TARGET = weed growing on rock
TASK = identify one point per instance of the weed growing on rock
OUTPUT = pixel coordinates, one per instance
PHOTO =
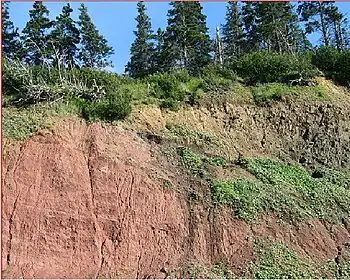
(287, 190)
(188, 136)
(192, 161)
(277, 261)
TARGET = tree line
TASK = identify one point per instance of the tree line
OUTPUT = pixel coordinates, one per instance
(278, 27)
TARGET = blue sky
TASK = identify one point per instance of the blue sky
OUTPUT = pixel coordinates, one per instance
(116, 20)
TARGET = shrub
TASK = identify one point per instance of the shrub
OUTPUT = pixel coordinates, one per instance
(92, 77)
(114, 106)
(343, 74)
(335, 64)
(326, 59)
(216, 78)
(173, 88)
(33, 84)
(266, 67)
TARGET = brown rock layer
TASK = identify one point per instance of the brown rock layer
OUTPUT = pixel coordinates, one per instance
(87, 201)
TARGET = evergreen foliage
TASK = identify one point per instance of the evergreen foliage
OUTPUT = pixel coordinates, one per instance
(142, 49)
(65, 38)
(186, 44)
(11, 44)
(94, 51)
(36, 34)
(232, 32)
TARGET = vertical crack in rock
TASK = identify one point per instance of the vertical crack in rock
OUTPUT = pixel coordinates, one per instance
(8, 258)
(138, 267)
(92, 192)
(102, 259)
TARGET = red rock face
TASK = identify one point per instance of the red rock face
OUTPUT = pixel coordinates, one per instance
(87, 202)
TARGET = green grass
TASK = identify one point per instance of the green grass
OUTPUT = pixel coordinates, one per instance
(272, 92)
(286, 190)
(21, 123)
(187, 136)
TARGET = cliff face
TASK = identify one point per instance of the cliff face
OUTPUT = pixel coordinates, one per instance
(87, 200)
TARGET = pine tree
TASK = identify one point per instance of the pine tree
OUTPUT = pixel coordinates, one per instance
(35, 34)
(272, 27)
(251, 36)
(94, 50)
(159, 55)
(65, 38)
(315, 16)
(232, 32)
(279, 27)
(142, 49)
(337, 22)
(11, 44)
(187, 43)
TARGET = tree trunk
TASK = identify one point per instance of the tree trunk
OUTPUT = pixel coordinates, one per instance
(323, 24)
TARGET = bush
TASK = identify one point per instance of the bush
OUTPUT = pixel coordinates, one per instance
(266, 67)
(333, 63)
(326, 59)
(114, 106)
(173, 88)
(216, 78)
(33, 84)
(92, 77)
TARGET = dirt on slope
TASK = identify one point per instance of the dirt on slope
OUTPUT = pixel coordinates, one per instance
(87, 200)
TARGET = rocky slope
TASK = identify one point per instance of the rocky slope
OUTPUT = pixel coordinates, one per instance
(89, 200)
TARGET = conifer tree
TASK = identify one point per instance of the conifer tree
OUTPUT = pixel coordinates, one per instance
(11, 44)
(94, 50)
(142, 49)
(273, 27)
(337, 22)
(279, 26)
(158, 58)
(251, 37)
(187, 43)
(232, 32)
(314, 14)
(65, 37)
(35, 34)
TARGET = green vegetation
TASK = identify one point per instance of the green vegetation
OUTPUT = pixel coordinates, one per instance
(111, 107)
(189, 136)
(333, 176)
(21, 124)
(277, 261)
(335, 64)
(274, 260)
(267, 67)
(272, 92)
(286, 190)
(198, 164)
(192, 161)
